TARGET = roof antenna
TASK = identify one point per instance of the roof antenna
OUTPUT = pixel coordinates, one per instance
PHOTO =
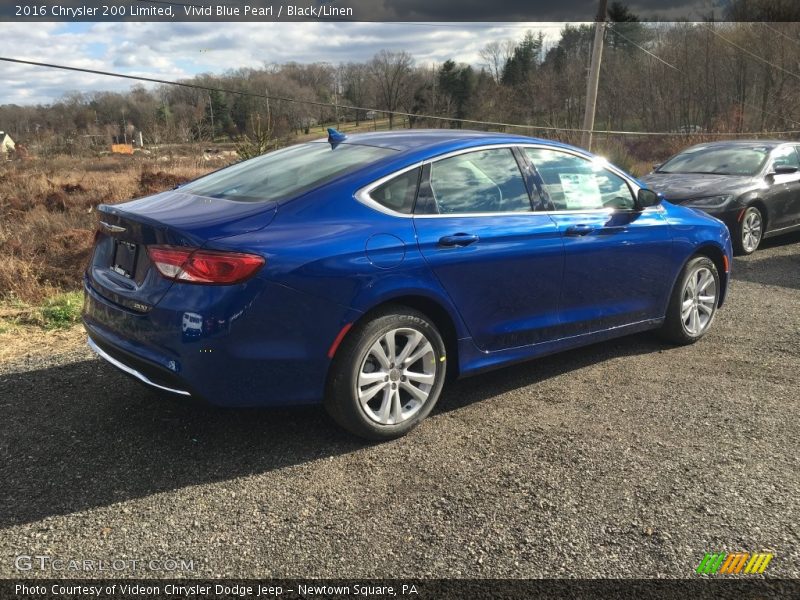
(335, 137)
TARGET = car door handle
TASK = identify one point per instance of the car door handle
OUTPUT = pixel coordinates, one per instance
(457, 240)
(576, 230)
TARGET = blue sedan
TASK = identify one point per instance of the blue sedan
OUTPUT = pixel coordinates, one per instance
(362, 271)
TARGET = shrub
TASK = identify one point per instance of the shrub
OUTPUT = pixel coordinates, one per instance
(63, 310)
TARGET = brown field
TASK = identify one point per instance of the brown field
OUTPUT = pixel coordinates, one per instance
(48, 214)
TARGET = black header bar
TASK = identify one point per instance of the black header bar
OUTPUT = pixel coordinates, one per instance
(389, 10)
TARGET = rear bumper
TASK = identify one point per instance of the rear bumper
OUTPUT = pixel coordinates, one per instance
(261, 344)
(107, 355)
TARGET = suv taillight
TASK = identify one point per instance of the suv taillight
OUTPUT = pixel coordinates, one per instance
(192, 265)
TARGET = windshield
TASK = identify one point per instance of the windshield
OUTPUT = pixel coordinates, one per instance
(285, 173)
(728, 160)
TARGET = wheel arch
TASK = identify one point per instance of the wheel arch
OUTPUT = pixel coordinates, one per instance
(433, 310)
(762, 207)
(717, 256)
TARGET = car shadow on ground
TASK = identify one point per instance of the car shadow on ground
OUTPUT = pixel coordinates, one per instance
(83, 435)
(466, 391)
(771, 268)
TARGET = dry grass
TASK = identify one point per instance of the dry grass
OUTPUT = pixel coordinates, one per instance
(47, 207)
(47, 215)
(19, 340)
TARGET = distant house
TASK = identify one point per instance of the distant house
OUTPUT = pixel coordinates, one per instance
(6, 143)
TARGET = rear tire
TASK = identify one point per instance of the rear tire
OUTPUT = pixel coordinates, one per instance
(693, 303)
(387, 375)
(749, 231)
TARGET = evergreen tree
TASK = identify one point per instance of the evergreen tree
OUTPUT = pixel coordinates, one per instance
(525, 60)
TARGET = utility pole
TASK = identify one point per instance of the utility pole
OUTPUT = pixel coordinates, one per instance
(211, 106)
(336, 98)
(594, 75)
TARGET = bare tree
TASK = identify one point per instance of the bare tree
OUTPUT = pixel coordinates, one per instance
(391, 72)
(495, 55)
(356, 86)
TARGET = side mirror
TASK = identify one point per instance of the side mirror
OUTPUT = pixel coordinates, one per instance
(657, 166)
(783, 170)
(647, 198)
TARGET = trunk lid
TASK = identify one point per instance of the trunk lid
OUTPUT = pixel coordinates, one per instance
(120, 269)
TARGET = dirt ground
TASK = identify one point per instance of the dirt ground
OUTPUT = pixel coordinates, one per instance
(630, 458)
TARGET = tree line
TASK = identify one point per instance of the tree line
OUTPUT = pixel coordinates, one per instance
(666, 77)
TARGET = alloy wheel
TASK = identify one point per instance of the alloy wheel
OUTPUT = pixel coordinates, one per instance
(699, 301)
(751, 230)
(396, 376)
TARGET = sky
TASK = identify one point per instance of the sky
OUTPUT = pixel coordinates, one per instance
(178, 50)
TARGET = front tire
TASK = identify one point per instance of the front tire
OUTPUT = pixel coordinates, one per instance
(749, 231)
(387, 375)
(693, 303)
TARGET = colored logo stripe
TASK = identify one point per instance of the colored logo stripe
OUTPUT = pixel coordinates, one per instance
(734, 562)
(710, 563)
(758, 564)
(724, 563)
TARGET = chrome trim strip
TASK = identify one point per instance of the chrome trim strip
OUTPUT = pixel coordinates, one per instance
(112, 228)
(511, 213)
(102, 354)
(635, 187)
(577, 336)
(472, 149)
(782, 229)
(362, 195)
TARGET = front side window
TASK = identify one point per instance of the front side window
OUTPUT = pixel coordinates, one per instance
(785, 157)
(484, 181)
(285, 173)
(574, 183)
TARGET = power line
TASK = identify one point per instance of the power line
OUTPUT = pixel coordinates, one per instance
(746, 51)
(763, 60)
(791, 39)
(658, 58)
(209, 88)
(671, 66)
(612, 25)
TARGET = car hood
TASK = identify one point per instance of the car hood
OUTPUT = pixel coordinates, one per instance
(677, 187)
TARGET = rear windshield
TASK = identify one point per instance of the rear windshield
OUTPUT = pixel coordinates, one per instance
(716, 160)
(285, 173)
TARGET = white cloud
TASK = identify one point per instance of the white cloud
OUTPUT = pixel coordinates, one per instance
(179, 50)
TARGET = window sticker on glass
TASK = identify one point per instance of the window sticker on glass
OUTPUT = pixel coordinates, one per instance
(580, 191)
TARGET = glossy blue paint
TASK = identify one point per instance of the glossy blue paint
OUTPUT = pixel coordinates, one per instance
(613, 275)
(525, 249)
(506, 287)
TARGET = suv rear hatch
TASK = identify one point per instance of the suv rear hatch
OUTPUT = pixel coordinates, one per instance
(120, 269)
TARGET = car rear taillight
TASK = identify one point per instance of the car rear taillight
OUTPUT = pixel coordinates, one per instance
(192, 265)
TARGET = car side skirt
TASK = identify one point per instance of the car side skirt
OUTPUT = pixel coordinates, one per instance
(773, 232)
(474, 361)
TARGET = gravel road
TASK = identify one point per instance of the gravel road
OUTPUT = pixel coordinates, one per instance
(625, 459)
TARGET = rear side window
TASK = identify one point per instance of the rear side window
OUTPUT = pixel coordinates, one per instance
(398, 194)
(484, 181)
(285, 173)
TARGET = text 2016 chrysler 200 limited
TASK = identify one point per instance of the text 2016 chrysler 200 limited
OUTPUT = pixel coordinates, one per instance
(360, 271)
